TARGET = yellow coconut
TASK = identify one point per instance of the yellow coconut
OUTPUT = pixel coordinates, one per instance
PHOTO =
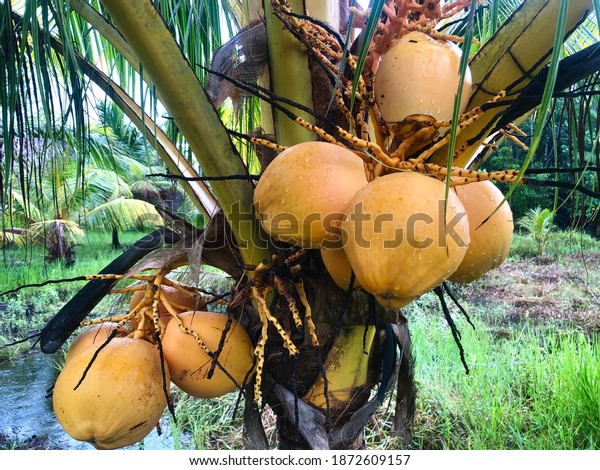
(301, 196)
(121, 398)
(337, 265)
(189, 364)
(396, 239)
(177, 299)
(96, 334)
(491, 237)
(420, 75)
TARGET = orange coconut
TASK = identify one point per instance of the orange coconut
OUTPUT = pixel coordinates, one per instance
(121, 398)
(337, 265)
(420, 75)
(301, 196)
(178, 300)
(189, 364)
(95, 334)
(396, 239)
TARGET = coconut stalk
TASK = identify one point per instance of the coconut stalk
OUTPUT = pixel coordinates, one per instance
(289, 74)
(294, 76)
(185, 99)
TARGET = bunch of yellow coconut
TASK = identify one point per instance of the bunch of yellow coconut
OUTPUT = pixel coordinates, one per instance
(398, 234)
(112, 394)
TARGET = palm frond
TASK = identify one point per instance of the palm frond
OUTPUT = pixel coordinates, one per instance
(14, 236)
(145, 190)
(44, 230)
(123, 214)
(186, 100)
(200, 195)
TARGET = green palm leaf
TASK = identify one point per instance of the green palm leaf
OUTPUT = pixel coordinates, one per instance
(122, 214)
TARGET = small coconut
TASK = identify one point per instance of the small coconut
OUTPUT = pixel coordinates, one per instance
(491, 235)
(178, 300)
(337, 265)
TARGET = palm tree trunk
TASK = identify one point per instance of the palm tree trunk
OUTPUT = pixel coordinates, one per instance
(333, 308)
(296, 76)
(58, 246)
(116, 244)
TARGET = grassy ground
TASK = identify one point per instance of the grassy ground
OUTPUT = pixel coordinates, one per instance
(534, 358)
(25, 312)
(534, 355)
(529, 390)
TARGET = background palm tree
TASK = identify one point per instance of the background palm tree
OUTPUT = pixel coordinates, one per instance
(539, 224)
(53, 49)
(63, 199)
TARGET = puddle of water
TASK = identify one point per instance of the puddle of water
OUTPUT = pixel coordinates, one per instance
(27, 412)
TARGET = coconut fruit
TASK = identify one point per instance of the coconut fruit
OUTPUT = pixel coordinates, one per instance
(420, 75)
(95, 334)
(491, 237)
(121, 398)
(178, 300)
(301, 196)
(339, 268)
(396, 238)
(189, 364)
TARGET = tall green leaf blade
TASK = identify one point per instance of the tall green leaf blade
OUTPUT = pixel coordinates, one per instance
(464, 64)
(368, 34)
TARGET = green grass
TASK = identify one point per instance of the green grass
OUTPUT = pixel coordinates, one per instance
(28, 310)
(206, 423)
(524, 391)
(20, 266)
(559, 244)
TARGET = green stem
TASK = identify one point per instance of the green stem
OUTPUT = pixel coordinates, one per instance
(290, 75)
(184, 98)
(108, 31)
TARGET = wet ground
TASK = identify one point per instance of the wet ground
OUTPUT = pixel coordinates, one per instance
(27, 420)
